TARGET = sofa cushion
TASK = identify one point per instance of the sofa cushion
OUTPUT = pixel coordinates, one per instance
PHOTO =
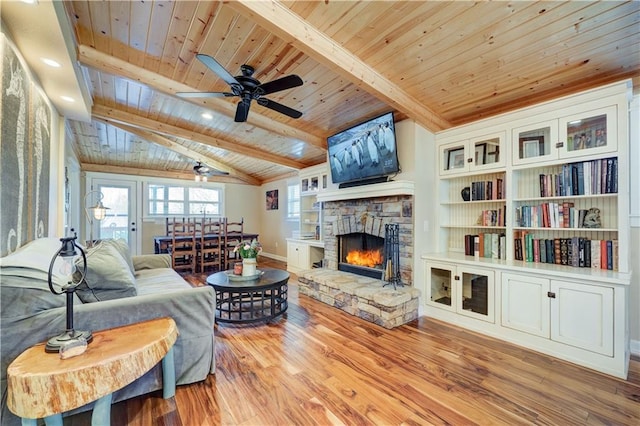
(108, 275)
(123, 248)
(24, 285)
(159, 280)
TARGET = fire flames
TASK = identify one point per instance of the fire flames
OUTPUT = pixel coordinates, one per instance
(369, 258)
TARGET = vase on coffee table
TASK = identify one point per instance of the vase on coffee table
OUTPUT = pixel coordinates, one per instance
(249, 265)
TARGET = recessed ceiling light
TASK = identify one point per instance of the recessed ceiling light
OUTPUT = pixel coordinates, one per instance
(67, 98)
(51, 62)
(207, 116)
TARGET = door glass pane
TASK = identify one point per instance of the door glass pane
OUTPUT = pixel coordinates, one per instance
(475, 293)
(116, 223)
(454, 158)
(487, 151)
(534, 143)
(587, 133)
(441, 286)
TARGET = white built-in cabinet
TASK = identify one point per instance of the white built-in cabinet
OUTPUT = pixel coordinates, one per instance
(305, 249)
(556, 161)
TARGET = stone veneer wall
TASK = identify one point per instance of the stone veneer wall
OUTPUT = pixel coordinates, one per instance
(392, 209)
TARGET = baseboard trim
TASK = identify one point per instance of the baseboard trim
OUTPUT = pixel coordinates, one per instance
(273, 256)
(635, 347)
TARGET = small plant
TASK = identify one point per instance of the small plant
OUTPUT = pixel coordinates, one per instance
(248, 251)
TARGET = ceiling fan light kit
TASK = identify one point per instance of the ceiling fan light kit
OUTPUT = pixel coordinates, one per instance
(247, 88)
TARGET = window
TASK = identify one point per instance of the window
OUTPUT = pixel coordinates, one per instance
(169, 200)
(293, 201)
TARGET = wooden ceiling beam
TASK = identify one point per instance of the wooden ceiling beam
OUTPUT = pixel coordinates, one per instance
(103, 62)
(136, 171)
(280, 20)
(115, 115)
(182, 150)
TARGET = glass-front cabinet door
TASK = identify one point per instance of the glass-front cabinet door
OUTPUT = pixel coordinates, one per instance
(534, 143)
(487, 152)
(453, 158)
(440, 285)
(476, 293)
(588, 133)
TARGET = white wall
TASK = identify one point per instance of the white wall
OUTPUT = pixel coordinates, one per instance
(274, 226)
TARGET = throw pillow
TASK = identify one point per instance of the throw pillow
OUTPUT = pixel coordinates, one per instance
(108, 276)
(123, 248)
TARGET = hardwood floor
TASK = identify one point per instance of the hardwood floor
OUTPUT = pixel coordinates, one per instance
(321, 366)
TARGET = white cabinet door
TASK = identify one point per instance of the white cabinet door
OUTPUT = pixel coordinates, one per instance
(525, 304)
(475, 293)
(297, 257)
(440, 285)
(588, 133)
(582, 316)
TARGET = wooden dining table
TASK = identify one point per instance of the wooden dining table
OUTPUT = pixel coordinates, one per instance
(161, 242)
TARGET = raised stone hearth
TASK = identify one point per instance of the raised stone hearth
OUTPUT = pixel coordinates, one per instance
(361, 296)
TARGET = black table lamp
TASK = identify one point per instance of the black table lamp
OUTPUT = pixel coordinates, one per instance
(64, 260)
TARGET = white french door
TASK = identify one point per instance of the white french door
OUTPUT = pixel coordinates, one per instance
(122, 216)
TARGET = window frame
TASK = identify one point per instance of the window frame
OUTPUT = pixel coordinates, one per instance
(295, 216)
(186, 202)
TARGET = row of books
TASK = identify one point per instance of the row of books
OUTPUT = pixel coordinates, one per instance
(487, 190)
(489, 245)
(550, 215)
(492, 218)
(576, 251)
(584, 178)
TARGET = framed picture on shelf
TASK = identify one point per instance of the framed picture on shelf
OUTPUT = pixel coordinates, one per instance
(532, 146)
(481, 154)
(455, 159)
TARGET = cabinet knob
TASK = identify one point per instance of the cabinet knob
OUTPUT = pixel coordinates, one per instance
(469, 160)
(456, 277)
(551, 295)
(559, 144)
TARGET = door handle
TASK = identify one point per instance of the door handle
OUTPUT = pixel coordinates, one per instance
(551, 295)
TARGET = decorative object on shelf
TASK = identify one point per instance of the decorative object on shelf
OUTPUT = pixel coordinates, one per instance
(97, 212)
(592, 218)
(466, 193)
(249, 253)
(391, 267)
(63, 266)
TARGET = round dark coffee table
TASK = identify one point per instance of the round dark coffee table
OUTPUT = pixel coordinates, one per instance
(244, 301)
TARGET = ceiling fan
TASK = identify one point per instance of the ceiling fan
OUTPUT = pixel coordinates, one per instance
(247, 88)
(202, 171)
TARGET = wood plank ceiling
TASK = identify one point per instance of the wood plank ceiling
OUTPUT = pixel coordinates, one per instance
(438, 63)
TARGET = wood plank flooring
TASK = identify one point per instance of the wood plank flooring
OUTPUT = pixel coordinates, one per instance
(321, 366)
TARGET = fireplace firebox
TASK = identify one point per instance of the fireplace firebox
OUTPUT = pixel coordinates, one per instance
(361, 253)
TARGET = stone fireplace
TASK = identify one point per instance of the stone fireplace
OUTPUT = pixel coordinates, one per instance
(362, 221)
(355, 219)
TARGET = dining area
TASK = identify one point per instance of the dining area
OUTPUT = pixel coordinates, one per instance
(199, 244)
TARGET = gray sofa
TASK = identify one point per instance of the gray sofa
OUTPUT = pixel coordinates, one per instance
(122, 289)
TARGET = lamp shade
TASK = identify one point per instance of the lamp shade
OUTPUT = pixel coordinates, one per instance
(99, 211)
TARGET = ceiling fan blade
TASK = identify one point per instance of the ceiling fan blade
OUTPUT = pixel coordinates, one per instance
(204, 94)
(214, 66)
(281, 84)
(283, 109)
(242, 111)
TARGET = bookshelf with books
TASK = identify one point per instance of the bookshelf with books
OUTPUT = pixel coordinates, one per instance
(556, 240)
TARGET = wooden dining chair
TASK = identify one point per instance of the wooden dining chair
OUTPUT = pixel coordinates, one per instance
(233, 235)
(183, 244)
(210, 244)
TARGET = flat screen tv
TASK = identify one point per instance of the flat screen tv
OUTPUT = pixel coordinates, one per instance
(365, 153)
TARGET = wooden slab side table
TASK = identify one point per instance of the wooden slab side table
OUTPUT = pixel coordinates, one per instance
(42, 385)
